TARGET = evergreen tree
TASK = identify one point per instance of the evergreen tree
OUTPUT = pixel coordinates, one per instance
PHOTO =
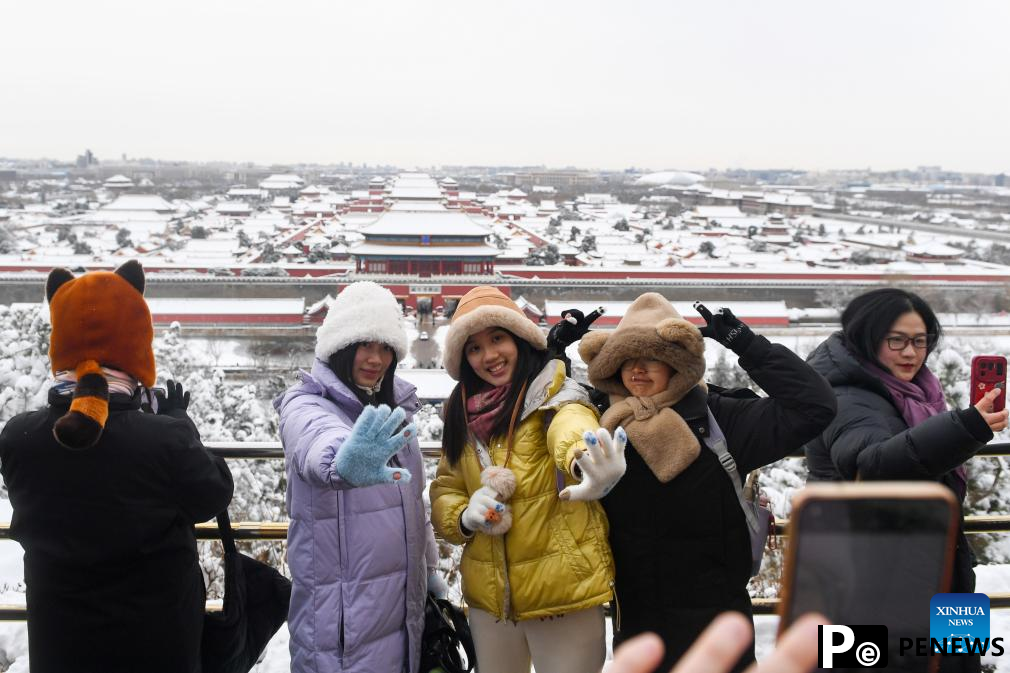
(123, 238)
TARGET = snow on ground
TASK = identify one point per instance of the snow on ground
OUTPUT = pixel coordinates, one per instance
(439, 336)
(409, 361)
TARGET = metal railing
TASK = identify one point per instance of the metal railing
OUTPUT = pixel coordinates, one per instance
(271, 530)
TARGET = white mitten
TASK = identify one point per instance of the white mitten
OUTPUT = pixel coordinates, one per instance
(602, 465)
(483, 510)
(502, 481)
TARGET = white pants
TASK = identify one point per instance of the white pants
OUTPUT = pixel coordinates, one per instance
(572, 643)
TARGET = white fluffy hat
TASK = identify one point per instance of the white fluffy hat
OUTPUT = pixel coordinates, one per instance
(363, 311)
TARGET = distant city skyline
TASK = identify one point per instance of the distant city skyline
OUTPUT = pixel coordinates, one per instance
(694, 86)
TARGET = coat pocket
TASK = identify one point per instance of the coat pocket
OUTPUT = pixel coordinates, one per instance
(569, 546)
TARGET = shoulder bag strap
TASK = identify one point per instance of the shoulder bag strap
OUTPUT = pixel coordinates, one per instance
(227, 534)
(715, 440)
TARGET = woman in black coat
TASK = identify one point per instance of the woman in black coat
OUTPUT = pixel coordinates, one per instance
(892, 420)
(680, 540)
(105, 495)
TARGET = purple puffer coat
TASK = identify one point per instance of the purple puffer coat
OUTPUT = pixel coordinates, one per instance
(358, 556)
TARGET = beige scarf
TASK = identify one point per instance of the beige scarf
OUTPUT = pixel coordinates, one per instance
(658, 433)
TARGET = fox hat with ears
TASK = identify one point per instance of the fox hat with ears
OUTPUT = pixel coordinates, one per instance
(651, 328)
(98, 320)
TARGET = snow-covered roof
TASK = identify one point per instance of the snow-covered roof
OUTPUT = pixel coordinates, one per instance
(415, 192)
(424, 223)
(670, 178)
(233, 207)
(934, 250)
(282, 181)
(231, 306)
(118, 180)
(140, 202)
(717, 212)
(425, 250)
(245, 192)
(779, 199)
(526, 305)
(415, 186)
(419, 207)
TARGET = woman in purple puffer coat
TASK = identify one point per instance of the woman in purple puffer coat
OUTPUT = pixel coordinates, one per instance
(360, 546)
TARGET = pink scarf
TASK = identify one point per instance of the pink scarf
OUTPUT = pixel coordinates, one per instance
(483, 409)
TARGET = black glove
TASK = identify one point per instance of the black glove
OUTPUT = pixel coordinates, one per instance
(573, 326)
(173, 401)
(725, 328)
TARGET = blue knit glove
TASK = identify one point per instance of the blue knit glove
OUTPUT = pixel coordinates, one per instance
(374, 439)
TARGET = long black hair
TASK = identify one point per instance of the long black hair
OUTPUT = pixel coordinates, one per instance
(869, 317)
(342, 364)
(529, 363)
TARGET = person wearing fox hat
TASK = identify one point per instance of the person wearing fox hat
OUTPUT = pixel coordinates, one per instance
(517, 432)
(360, 547)
(105, 496)
(691, 560)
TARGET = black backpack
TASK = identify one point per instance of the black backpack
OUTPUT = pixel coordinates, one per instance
(445, 631)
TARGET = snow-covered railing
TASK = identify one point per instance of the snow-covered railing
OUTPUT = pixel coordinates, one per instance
(269, 530)
(432, 449)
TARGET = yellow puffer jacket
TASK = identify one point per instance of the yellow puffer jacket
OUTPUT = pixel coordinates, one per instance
(555, 559)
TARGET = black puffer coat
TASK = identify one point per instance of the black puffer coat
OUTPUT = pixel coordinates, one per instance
(682, 549)
(111, 572)
(869, 438)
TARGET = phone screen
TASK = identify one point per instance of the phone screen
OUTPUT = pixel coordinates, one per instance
(872, 561)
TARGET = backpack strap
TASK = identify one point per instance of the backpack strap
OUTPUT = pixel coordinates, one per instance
(715, 440)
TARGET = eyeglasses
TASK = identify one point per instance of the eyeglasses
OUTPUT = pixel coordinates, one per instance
(919, 342)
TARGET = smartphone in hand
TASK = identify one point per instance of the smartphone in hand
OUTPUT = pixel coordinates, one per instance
(988, 372)
(871, 553)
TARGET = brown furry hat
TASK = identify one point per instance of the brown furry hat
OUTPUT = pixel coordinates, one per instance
(482, 307)
(650, 328)
(99, 319)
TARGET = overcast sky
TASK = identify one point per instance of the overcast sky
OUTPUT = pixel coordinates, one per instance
(659, 84)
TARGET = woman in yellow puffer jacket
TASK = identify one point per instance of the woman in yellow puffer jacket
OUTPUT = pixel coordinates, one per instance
(536, 565)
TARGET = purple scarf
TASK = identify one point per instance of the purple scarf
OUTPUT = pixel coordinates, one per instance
(917, 400)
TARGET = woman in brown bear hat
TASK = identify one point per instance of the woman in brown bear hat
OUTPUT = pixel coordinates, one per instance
(105, 496)
(678, 530)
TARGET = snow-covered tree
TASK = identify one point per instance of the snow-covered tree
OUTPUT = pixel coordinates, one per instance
(24, 359)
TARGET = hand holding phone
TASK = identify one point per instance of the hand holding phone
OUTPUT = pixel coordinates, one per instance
(988, 373)
(871, 553)
(996, 420)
